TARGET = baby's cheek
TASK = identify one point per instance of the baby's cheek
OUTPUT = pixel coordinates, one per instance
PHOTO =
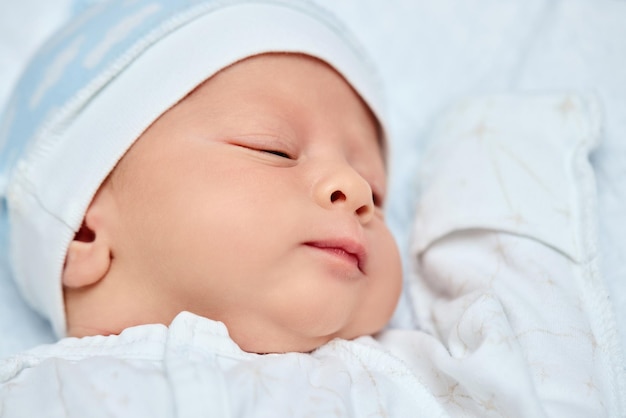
(386, 279)
(319, 309)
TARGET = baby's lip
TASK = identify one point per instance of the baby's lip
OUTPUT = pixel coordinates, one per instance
(349, 246)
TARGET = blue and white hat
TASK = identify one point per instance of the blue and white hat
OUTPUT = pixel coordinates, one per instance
(94, 88)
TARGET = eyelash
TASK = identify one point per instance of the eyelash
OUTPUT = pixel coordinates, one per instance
(277, 153)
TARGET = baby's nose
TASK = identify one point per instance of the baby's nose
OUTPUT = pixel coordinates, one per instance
(344, 188)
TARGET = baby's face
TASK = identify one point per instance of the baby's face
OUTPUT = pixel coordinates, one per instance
(256, 201)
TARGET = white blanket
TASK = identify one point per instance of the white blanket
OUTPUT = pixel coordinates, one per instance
(516, 321)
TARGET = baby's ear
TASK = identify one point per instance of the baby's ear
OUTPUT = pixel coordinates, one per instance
(89, 254)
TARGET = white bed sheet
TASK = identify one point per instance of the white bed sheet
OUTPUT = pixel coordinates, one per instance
(430, 54)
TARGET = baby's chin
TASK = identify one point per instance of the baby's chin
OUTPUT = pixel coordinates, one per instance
(282, 346)
(290, 342)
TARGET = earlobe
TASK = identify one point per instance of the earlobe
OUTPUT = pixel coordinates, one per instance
(88, 257)
(86, 263)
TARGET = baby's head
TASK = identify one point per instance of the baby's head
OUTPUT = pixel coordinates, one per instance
(255, 201)
(240, 178)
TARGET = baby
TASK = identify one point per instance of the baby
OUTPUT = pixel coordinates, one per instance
(255, 201)
(254, 198)
(188, 185)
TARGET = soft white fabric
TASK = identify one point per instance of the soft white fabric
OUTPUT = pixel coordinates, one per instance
(516, 318)
(506, 173)
(20, 326)
(193, 369)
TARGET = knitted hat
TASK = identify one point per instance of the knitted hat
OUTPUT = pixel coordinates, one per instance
(94, 88)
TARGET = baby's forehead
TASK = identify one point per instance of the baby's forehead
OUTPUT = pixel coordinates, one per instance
(277, 73)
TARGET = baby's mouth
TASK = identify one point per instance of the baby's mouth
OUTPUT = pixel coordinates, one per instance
(346, 249)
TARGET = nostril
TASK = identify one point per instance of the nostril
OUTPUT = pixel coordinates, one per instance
(363, 210)
(337, 195)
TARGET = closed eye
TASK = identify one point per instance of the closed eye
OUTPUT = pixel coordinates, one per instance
(278, 153)
(263, 150)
